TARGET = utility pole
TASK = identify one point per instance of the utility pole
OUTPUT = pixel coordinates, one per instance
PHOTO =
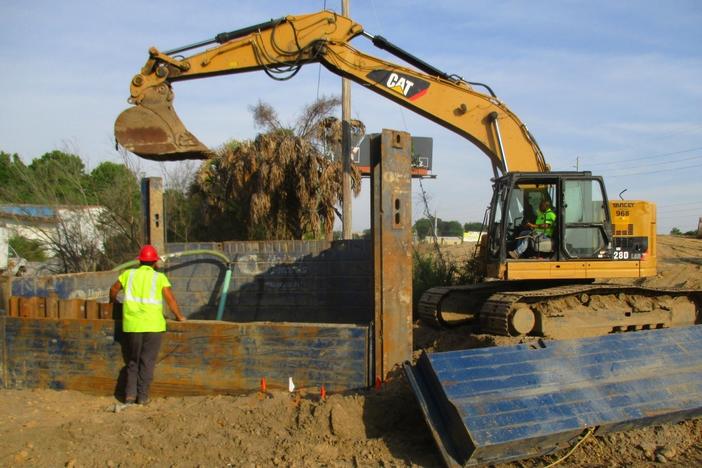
(436, 225)
(577, 164)
(346, 146)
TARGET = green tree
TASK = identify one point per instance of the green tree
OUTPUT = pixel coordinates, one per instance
(451, 229)
(58, 178)
(28, 248)
(472, 226)
(61, 177)
(675, 231)
(182, 215)
(423, 228)
(116, 188)
(13, 175)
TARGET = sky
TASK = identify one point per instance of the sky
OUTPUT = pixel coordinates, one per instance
(612, 87)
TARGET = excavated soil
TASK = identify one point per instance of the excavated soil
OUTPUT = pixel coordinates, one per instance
(368, 428)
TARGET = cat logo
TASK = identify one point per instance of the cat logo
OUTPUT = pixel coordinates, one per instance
(408, 86)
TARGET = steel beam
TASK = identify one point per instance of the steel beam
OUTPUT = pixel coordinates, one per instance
(391, 208)
(153, 210)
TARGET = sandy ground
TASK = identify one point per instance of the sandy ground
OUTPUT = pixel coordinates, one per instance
(368, 428)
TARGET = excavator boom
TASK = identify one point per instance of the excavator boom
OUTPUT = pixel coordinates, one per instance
(280, 47)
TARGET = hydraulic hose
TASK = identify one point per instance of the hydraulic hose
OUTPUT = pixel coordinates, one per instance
(214, 253)
(223, 296)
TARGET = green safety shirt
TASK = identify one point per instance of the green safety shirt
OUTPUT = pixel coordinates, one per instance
(547, 217)
(142, 308)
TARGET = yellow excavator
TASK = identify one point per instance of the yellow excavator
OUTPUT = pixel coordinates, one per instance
(549, 290)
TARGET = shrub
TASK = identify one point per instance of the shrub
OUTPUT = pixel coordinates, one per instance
(27, 248)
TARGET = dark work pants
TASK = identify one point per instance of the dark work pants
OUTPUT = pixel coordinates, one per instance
(142, 352)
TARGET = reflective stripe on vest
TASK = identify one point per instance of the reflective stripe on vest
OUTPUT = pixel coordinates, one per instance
(129, 296)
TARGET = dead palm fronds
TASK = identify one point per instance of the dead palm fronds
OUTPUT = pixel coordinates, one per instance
(280, 184)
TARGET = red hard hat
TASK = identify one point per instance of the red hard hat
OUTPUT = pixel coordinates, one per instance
(148, 254)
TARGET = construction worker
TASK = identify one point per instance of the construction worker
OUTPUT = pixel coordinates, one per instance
(142, 321)
(540, 229)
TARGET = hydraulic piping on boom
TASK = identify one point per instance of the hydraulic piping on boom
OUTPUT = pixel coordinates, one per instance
(280, 47)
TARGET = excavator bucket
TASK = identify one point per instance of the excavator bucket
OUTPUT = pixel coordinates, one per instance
(152, 129)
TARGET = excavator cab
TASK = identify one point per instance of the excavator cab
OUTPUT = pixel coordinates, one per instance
(582, 228)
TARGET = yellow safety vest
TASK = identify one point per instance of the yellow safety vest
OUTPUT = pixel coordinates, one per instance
(142, 308)
(546, 217)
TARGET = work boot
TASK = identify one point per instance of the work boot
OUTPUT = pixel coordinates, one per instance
(143, 401)
(513, 254)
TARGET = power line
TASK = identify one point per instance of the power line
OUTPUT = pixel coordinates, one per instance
(675, 161)
(683, 203)
(694, 128)
(648, 157)
(653, 172)
(682, 210)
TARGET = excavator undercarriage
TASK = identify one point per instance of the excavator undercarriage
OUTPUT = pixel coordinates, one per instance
(559, 310)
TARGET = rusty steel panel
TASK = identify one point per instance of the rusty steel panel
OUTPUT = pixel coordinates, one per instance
(91, 310)
(105, 310)
(29, 306)
(3, 353)
(197, 357)
(13, 308)
(5, 293)
(72, 309)
(53, 307)
(152, 208)
(391, 202)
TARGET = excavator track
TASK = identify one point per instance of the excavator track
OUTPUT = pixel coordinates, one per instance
(560, 310)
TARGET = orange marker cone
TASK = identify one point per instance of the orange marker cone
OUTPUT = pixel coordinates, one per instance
(378, 384)
(323, 393)
(263, 385)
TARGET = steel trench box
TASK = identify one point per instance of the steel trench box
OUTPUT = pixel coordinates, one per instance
(492, 405)
(197, 357)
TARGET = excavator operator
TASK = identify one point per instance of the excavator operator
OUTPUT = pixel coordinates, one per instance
(540, 229)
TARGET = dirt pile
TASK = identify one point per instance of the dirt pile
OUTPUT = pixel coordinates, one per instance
(367, 428)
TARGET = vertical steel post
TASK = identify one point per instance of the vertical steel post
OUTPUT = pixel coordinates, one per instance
(4, 248)
(346, 146)
(391, 200)
(152, 209)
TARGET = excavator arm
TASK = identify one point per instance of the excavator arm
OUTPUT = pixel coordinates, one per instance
(152, 129)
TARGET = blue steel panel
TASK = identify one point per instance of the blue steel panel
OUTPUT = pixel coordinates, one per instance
(497, 404)
(35, 211)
